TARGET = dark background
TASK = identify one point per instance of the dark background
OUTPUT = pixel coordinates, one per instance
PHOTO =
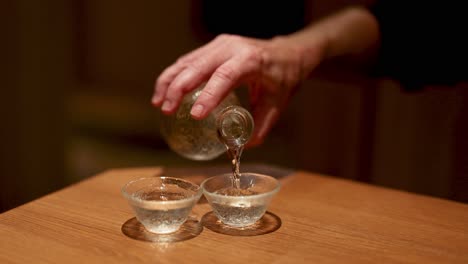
(77, 78)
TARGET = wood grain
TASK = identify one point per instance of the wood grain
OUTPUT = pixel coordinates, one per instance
(324, 220)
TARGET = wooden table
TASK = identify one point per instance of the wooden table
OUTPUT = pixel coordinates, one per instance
(323, 220)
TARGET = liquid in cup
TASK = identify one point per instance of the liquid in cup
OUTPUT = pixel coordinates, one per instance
(161, 204)
(244, 206)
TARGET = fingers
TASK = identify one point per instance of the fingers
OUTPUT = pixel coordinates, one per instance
(166, 78)
(219, 85)
(265, 113)
(163, 82)
(223, 80)
(188, 79)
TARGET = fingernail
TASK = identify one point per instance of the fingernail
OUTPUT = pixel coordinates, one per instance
(166, 106)
(197, 110)
(156, 98)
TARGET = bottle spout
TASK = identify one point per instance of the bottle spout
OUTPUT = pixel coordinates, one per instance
(235, 126)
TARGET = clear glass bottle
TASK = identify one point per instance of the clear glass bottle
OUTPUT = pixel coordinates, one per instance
(229, 126)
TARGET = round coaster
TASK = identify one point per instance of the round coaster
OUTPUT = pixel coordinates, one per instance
(134, 229)
(267, 224)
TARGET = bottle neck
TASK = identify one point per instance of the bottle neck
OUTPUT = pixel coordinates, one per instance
(235, 126)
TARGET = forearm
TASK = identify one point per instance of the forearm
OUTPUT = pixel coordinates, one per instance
(347, 32)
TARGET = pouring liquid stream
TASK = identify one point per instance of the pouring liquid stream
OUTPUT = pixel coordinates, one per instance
(235, 154)
(235, 126)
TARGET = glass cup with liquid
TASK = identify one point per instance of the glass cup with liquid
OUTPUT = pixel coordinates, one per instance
(161, 204)
(240, 204)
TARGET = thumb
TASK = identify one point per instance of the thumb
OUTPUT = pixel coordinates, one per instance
(265, 113)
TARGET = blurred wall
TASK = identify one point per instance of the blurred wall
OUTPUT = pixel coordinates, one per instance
(37, 48)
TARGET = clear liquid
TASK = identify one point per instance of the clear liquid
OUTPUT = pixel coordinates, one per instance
(232, 191)
(235, 154)
(194, 139)
(238, 214)
(235, 126)
(160, 220)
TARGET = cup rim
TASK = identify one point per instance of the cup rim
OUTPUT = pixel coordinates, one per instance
(254, 196)
(190, 198)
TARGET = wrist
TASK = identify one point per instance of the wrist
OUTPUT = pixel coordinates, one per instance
(311, 47)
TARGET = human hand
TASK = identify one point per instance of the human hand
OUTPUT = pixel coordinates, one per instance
(272, 69)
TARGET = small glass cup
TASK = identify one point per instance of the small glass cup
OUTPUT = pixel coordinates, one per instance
(161, 204)
(242, 207)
